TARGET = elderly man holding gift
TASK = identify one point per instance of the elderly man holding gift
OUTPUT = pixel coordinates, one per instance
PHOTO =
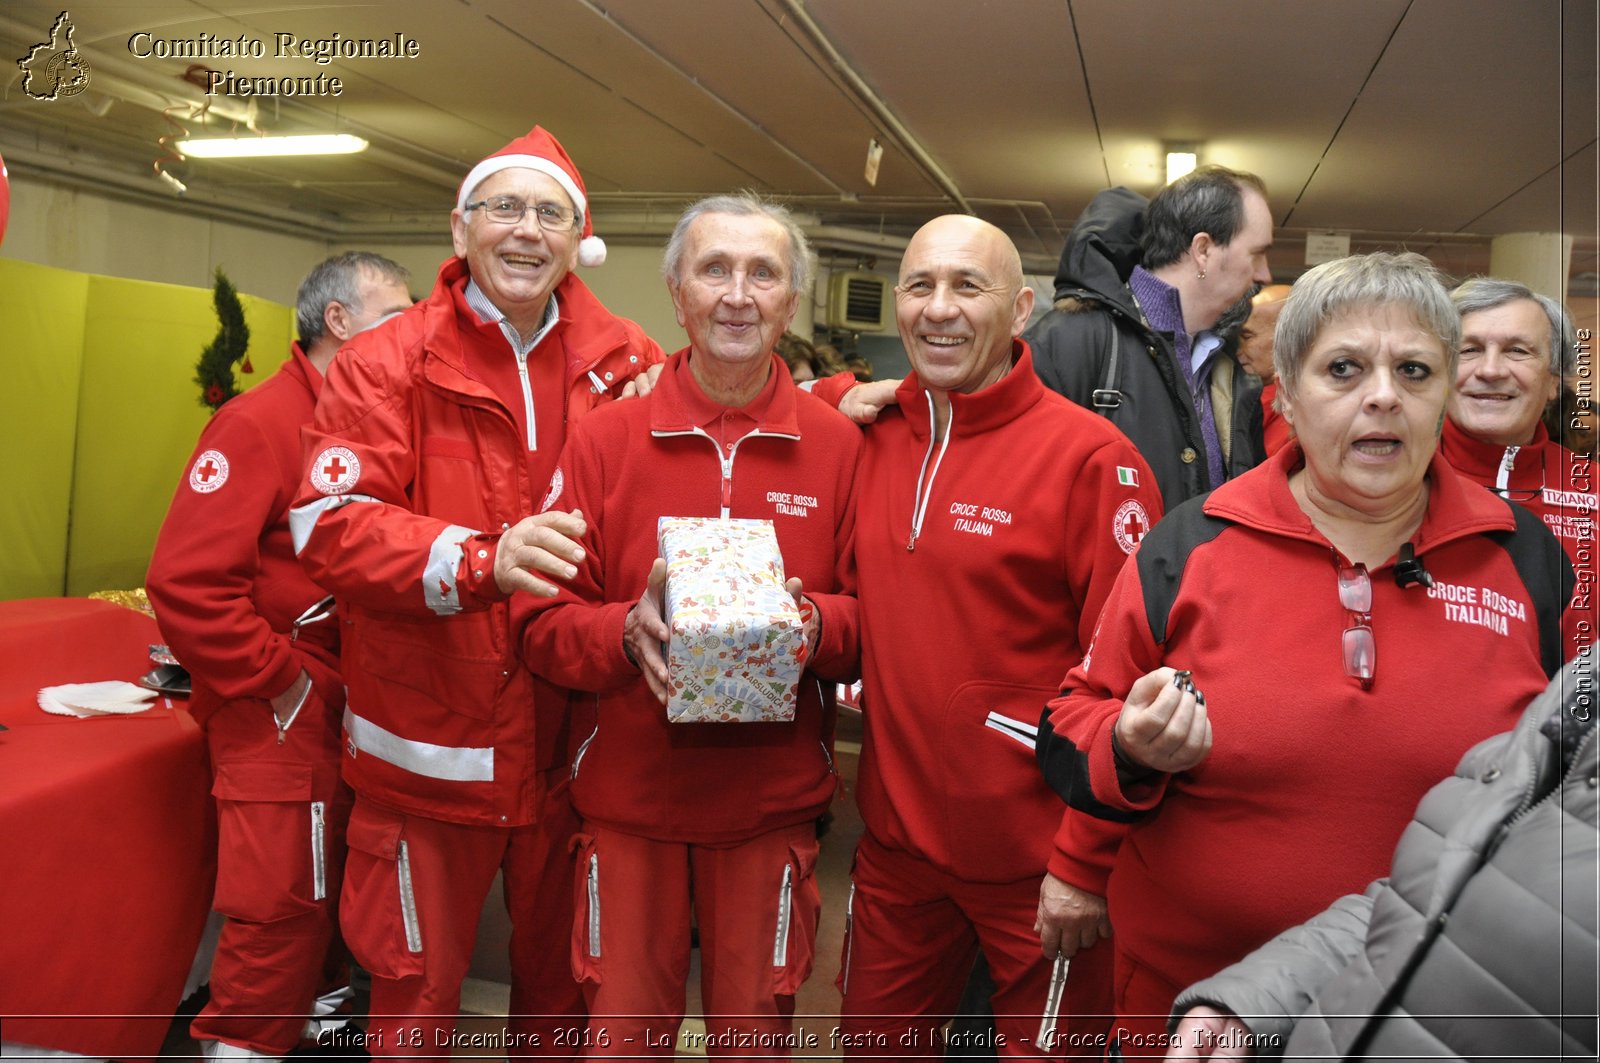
(702, 781)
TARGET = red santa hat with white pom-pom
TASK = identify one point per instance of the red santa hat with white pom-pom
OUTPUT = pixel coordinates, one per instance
(540, 151)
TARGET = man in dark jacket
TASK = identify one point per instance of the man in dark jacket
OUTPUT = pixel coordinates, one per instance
(1480, 944)
(1138, 332)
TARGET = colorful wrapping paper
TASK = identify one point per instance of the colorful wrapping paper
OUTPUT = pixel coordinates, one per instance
(734, 654)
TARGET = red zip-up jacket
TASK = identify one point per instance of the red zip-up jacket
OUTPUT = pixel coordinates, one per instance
(410, 457)
(628, 466)
(1311, 778)
(983, 560)
(224, 579)
(1556, 484)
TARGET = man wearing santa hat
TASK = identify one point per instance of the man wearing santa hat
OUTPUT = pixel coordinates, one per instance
(434, 440)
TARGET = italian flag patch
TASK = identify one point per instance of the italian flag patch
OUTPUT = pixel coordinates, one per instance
(1127, 477)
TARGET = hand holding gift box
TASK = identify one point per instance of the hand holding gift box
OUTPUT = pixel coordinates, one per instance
(645, 632)
(736, 636)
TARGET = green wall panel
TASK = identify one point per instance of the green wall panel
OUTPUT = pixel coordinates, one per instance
(41, 348)
(104, 413)
(139, 415)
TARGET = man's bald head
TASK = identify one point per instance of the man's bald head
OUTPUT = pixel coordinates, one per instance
(1255, 337)
(976, 236)
(961, 302)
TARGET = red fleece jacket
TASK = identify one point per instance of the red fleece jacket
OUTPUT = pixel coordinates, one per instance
(625, 467)
(1311, 778)
(1556, 484)
(983, 564)
(223, 578)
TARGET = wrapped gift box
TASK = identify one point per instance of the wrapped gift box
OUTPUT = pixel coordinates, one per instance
(735, 650)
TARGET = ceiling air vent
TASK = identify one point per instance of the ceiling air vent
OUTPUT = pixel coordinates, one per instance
(856, 301)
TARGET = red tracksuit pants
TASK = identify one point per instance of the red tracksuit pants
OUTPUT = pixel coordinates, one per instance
(1144, 999)
(281, 812)
(755, 904)
(414, 890)
(912, 934)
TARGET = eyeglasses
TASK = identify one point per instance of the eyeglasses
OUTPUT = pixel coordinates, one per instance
(1359, 646)
(507, 210)
(1525, 494)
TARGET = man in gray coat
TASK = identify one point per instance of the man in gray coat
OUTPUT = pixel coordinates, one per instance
(1481, 942)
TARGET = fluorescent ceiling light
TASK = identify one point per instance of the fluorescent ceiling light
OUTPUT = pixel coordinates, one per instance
(1180, 163)
(252, 147)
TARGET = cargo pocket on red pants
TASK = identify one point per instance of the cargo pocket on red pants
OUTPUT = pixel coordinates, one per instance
(378, 907)
(269, 841)
(586, 910)
(794, 947)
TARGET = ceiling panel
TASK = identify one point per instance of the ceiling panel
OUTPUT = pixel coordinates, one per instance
(1260, 84)
(1463, 110)
(1580, 73)
(996, 95)
(763, 71)
(1393, 119)
(678, 136)
(1560, 200)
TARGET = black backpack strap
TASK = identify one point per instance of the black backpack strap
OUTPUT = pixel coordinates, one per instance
(1161, 558)
(1107, 397)
(1164, 554)
(1544, 569)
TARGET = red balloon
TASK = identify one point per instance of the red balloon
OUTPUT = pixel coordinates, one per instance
(5, 198)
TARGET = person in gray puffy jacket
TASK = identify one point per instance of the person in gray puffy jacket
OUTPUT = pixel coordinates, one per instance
(1481, 942)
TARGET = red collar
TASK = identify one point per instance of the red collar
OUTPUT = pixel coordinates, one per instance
(586, 328)
(300, 365)
(1261, 499)
(983, 410)
(1480, 461)
(678, 405)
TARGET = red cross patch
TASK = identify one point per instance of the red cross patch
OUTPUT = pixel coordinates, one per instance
(335, 470)
(209, 472)
(1130, 524)
(557, 482)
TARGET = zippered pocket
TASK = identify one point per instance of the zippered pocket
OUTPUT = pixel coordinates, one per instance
(780, 947)
(799, 906)
(378, 905)
(408, 899)
(585, 948)
(319, 858)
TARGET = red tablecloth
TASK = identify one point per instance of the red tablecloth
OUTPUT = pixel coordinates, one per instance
(106, 828)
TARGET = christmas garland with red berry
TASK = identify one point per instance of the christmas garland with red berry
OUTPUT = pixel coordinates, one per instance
(214, 370)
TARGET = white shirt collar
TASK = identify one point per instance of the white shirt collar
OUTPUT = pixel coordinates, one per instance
(487, 312)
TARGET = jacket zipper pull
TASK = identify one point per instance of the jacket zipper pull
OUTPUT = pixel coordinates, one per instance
(318, 612)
